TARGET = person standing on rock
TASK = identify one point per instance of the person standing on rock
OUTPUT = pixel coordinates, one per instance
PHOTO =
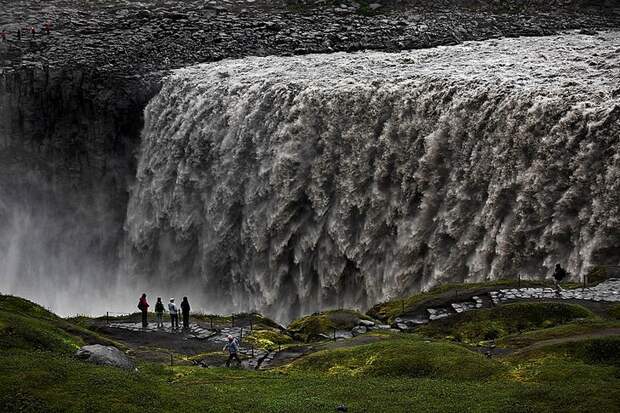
(159, 312)
(185, 311)
(174, 314)
(558, 275)
(233, 348)
(143, 306)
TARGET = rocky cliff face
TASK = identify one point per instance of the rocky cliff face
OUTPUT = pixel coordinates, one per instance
(71, 105)
(67, 144)
(289, 191)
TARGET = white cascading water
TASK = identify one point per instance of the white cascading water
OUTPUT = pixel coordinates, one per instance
(292, 184)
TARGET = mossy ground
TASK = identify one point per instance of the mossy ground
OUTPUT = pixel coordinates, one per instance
(394, 373)
(389, 310)
(494, 323)
(25, 325)
(310, 328)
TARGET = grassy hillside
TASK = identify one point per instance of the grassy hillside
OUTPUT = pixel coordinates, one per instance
(382, 372)
(402, 356)
(489, 324)
(28, 326)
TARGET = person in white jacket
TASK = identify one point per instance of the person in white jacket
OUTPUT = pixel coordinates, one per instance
(174, 314)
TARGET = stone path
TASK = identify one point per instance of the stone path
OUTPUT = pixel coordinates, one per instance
(253, 357)
(608, 291)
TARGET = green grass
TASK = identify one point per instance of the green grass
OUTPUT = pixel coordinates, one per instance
(494, 323)
(25, 325)
(574, 328)
(614, 312)
(42, 382)
(602, 350)
(310, 328)
(402, 357)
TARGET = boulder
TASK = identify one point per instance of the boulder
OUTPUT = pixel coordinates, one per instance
(366, 323)
(105, 355)
(356, 331)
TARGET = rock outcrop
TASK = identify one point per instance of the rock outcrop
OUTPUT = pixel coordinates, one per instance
(105, 356)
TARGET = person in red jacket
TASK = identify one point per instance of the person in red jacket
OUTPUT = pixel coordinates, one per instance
(143, 305)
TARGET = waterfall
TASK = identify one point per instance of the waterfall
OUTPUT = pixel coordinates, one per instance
(292, 184)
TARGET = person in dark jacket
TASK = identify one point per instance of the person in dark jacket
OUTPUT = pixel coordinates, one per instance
(143, 305)
(558, 275)
(185, 311)
(159, 312)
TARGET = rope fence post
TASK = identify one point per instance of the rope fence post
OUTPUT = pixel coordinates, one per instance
(232, 320)
(334, 334)
(211, 319)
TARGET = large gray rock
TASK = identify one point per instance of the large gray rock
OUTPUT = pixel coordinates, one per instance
(105, 355)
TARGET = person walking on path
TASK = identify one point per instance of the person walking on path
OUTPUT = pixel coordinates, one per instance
(233, 348)
(185, 312)
(159, 312)
(174, 314)
(19, 33)
(3, 34)
(143, 305)
(558, 275)
(33, 31)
